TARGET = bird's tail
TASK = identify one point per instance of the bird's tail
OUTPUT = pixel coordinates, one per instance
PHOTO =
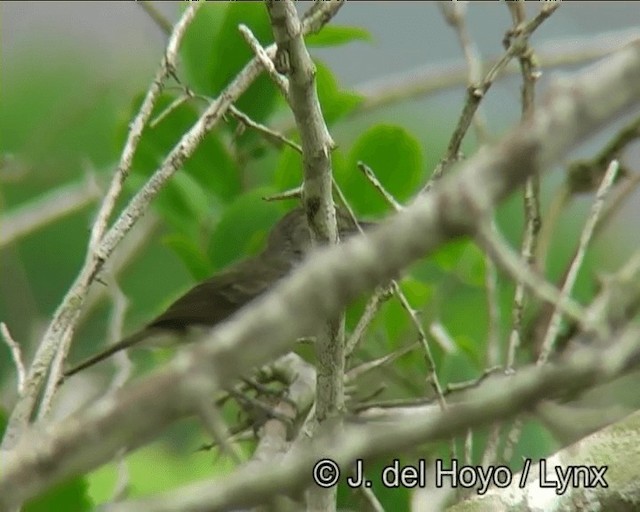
(116, 347)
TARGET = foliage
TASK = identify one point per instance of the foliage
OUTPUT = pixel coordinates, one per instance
(212, 212)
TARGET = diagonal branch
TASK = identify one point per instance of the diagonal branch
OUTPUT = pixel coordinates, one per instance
(322, 286)
(67, 314)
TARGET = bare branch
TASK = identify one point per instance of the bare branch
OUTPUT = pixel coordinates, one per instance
(321, 288)
(585, 238)
(265, 60)
(67, 314)
(293, 59)
(482, 406)
(16, 353)
(46, 209)
(58, 335)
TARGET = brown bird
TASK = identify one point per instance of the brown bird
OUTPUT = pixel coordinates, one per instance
(218, 297)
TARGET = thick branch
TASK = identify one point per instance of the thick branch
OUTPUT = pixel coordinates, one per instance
(326, 283)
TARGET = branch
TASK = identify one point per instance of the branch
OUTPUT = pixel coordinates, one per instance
(293, 59)
(553, 329)
(47, 209)
(66, 316)
(57, 337)
(426, 80)
(322, 287)
(607, 447)
(404, 431)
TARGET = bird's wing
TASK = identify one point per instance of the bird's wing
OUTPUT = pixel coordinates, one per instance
(217, 298)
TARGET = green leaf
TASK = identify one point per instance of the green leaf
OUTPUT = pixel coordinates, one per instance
(470, 348)
(288, 173)
(395, 321)
(3, 421)
(448, 256)
(335, 35)
(215, 51)
(335, 102)
(243, 228)
(191, 255)
(71, 495)
(395, 157)
(463, 258)
(472, 266)
(208, 178)
(211, 165)
(197, 50)
(416, 292)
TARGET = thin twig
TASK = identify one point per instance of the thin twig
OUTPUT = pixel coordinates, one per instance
(123, 481)
(115, 332)
(174, 105)
(369, 175)
(397, 292)
(585, 238)
(159, 19)
(16, 354)
(363, 368)
(454, 15)
(570, 278)
(379, 297)
(432, 377)
(530, 74)
(269, 134)
(280, 80)
(294, 193)
(457, 387)
(166, 70)
(433, 78)
(494, 243)
(371, 499)
(475, 94)
(214, 423)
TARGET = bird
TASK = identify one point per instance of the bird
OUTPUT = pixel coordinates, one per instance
(223, 294)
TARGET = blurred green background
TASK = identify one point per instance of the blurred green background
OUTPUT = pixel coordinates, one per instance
(64, 114)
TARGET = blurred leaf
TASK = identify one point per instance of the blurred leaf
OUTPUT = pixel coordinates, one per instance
(215, 52)
(191, 255)
(463, 258)
(535, 442)
(465, 318)
(179, 467)
(417, 292)
(448, 255)
(334, 101)
(473, 351)
(243, 228)
(288, 173)
(335, 35)
(50, 130)
(395, 157)
(396, 322)
(472, 266)
(3, 421)
(209, 177)
(71, 495)
(197, 48)
(211, 165)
